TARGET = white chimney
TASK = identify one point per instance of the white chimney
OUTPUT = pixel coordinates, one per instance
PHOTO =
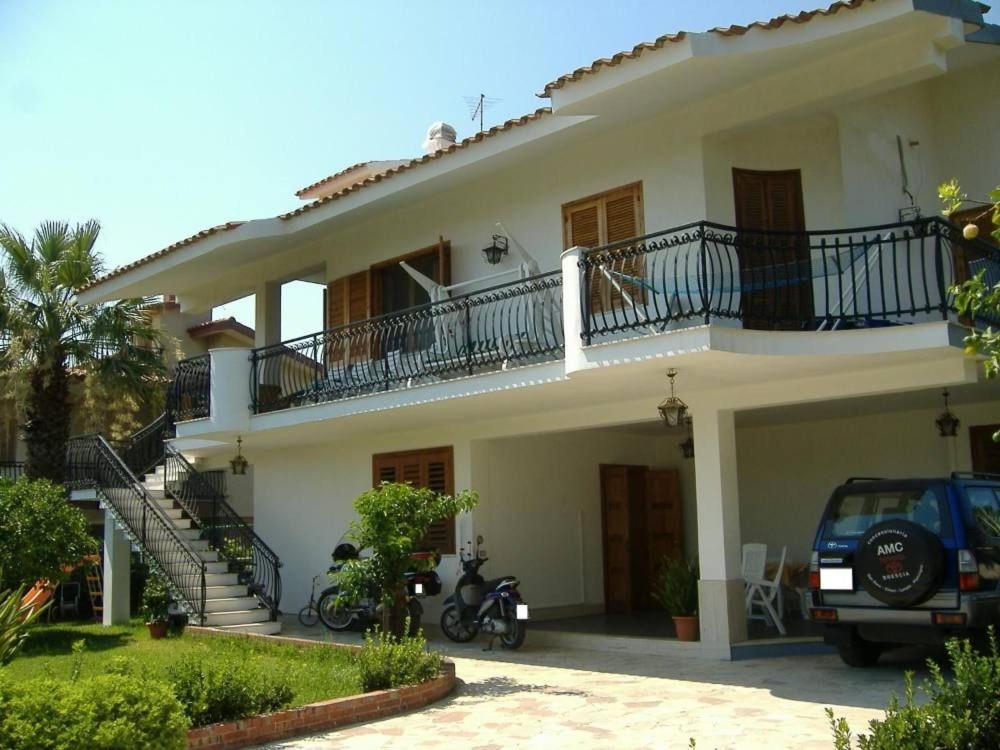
(440, 135)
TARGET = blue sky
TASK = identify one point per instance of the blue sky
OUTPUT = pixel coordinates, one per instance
(163, 119)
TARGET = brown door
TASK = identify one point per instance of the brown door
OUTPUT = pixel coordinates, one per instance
(775, 270)
(617, 548)
(985, 452)
(641, 511)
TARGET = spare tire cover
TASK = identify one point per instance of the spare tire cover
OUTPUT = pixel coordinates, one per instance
(899, 563)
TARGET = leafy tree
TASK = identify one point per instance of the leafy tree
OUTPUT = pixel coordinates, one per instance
(40, 533)
(50, 334)
(394, 518)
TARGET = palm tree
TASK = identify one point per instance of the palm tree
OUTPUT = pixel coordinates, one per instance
(50, 334)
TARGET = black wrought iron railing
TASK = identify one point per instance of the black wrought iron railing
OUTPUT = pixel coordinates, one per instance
(94, 464)
(513, 324)
(189, 394)
(819, 280)
(255, 564)
(144, 448)
(12, 469)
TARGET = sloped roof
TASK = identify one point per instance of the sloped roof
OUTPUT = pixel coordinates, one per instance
(218, 326)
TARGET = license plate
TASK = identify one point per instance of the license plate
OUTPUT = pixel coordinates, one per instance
(836, 579)
(418, 588)
(522, 611)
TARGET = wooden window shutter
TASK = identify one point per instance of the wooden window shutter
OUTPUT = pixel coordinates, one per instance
(336, 303)
(431, 469)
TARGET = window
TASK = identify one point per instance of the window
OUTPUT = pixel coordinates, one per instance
(433, 469)
(604, 219)
(851, 515)
(984, 504)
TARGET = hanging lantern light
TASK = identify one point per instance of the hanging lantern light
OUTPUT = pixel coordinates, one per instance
(238, 462)
(687, 447)
(947, 423)
(673, 410)
(496, 252)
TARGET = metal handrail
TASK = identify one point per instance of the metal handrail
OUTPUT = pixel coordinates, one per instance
(93, 463)
(705, 271)
(508, 324)
(189, 394)
(257, 565)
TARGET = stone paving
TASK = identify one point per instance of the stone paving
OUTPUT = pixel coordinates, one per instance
(555, 698)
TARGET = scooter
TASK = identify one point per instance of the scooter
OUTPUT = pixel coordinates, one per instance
(493, 607)
(362, 614)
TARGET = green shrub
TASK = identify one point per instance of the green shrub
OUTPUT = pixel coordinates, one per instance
(109, 712)
(387, 661)
(155, 599)
(962, 712)
(227, 691)
(40, 533)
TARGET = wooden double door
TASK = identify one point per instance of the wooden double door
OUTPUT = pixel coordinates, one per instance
(641, 519)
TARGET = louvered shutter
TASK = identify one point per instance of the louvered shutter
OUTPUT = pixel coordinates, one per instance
(431, 469)
(622, 222)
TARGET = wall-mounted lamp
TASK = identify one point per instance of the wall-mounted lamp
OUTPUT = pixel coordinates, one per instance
(496, 252)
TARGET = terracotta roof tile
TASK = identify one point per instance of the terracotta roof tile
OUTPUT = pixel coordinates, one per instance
(662, 41)
(165, 251)
(510, 124)
(478, 137)
(215, 326)
(331, 178)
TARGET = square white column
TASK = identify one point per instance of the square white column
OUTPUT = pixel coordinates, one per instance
(267, 314)
(117, 575)
(720, 590)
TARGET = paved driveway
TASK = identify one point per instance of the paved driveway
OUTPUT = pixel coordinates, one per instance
(552, 698)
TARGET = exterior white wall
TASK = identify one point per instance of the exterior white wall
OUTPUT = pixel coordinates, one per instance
(787, 471)
(540, 511)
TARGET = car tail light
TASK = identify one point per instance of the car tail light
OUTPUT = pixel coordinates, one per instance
(948, 618)
(814, 571)
(968, 571)
(823, 615)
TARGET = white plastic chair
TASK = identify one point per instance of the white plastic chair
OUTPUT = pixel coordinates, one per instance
(766, 594)
(754, 561)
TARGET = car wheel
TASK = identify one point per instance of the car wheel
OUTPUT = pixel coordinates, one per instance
(859, 653)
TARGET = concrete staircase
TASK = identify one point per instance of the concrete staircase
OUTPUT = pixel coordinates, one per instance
(228, 604)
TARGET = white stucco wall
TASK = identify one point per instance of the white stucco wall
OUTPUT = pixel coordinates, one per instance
(787, 471)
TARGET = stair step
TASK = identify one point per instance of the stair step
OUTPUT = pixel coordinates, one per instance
(165, 502)
(211, 580)
(208, 555)
(234, 591)
(215, 568)
(190, 534)
(230, 604)
(269, 627)
(173, 512)
(156, 493)
(199, 545)
(237, 617)
(181, 523)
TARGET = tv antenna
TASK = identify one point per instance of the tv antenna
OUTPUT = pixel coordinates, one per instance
(478, 105)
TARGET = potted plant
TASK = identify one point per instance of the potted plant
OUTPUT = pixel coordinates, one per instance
(156, 605)
(676, 589)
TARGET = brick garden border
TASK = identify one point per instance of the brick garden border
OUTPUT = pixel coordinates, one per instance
(315, 717)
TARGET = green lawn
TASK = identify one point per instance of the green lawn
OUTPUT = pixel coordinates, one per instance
(315, 673)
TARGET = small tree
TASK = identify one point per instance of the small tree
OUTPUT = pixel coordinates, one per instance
(975, 299)
(394, 518)
(40, 533)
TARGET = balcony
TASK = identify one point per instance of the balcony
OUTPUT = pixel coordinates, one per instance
(487, 331)
(885, 277)
(705, 273)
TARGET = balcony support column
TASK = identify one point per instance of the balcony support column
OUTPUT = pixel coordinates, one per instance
(720, 590)
(230, 389)
(267, 314)
(573, 315)
(116, 573)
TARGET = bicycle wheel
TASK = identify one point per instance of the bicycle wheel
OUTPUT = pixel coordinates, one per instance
(309, 615)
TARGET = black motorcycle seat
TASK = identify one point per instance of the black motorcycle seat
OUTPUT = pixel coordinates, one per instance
(491, 585)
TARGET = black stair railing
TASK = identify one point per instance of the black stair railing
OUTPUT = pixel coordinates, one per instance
(143, 450)
(189, 396)
(93, 464)
(255, 564)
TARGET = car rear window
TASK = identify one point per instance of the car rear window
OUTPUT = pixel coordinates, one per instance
(853, 513)
(984, 504)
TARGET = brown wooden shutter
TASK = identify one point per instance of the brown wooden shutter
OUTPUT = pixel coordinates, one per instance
(431, 469)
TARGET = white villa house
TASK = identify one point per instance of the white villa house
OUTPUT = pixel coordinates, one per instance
(752, 207)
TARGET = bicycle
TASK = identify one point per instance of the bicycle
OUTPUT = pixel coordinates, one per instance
(309, 614)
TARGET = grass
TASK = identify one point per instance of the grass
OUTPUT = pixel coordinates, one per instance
(316, 673)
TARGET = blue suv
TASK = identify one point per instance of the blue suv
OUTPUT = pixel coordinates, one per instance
(901, 561)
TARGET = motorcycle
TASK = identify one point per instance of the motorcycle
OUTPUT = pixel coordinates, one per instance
(493, 607)
(362, 614)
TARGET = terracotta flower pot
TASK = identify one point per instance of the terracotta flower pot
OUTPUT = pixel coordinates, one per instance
(157, 629)
(687, 628)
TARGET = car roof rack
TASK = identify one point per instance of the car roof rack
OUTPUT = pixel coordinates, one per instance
(975, 475)
(852, 480)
